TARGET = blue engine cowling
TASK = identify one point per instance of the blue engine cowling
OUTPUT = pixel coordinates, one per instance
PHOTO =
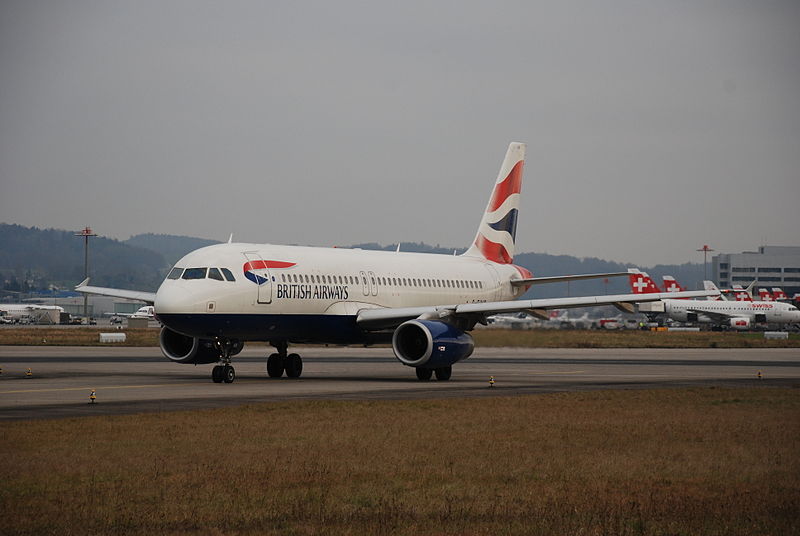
(430, 344)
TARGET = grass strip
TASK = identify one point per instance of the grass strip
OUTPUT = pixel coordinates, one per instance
(708, 461)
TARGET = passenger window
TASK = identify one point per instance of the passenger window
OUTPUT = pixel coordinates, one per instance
(228, 275)
(175, 273)
(195, 273)
(213, 273)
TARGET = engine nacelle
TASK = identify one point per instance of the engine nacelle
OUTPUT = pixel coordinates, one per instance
(430, 344)
(187, 350)
(740, 322)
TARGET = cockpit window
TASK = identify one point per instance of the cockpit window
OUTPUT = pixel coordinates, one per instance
(175, 273)
(213, 273)
(195, 273)
(228, 274)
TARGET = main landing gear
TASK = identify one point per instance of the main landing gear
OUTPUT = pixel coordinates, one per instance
(442, 373)
(224, 372)
(281, 362)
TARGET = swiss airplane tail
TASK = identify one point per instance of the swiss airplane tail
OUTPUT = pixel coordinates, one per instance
(497, 231)
(641, 283)
(779, 294)
(671, 284)
(764, 295)
(740, 294)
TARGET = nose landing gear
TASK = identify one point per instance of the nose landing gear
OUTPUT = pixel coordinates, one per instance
(224, 372)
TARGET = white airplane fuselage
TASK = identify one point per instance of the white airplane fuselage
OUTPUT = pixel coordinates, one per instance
(707, 311)
(312, 294)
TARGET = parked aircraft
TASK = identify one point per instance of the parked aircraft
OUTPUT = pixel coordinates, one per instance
(219, 296)
(738, 293)
(148, 311)
(779, 294)
(764, 295)
(734, 314)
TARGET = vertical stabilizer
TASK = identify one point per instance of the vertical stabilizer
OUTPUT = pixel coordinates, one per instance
(497, 231)
(671, 284)
(641, 283)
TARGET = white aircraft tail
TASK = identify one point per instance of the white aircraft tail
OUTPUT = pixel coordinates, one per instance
(709, 285)
(497, 231)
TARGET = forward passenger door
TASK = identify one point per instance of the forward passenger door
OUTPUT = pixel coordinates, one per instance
(255, 269)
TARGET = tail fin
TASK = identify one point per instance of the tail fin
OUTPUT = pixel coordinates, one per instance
(497, 231)
(764, 295)
(779, 294)
(641, 283)
(739, 293)
(709, 285)
(671, 284)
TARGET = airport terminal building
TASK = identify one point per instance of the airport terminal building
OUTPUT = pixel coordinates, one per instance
(770, 266)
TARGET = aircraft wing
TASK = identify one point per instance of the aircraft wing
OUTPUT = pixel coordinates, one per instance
(563, 278)
(147, 297)
(390, 317)
(716, 316)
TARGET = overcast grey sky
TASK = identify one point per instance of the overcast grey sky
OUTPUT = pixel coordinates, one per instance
(652, 127)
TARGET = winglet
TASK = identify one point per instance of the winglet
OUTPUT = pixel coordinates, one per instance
(82, 284)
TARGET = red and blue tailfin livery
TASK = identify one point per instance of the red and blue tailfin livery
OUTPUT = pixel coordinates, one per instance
(498, 228)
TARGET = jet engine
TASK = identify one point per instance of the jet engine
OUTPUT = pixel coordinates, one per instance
(741, 322)
(430, 344)
(187, 350)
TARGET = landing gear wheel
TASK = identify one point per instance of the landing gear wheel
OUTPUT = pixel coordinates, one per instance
(228, 374)
(216, 374)
(294, 366)
(424, 374)
(275, 366)
(443, 373)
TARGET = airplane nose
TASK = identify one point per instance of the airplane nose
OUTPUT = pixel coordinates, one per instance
(175, 299)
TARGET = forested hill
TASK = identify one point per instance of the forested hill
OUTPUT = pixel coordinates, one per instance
(170, 247)
(32, 258)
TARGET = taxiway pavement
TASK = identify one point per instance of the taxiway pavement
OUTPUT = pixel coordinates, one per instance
(133, 380)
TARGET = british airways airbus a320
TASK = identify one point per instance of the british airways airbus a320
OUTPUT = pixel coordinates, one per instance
(218, 297)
